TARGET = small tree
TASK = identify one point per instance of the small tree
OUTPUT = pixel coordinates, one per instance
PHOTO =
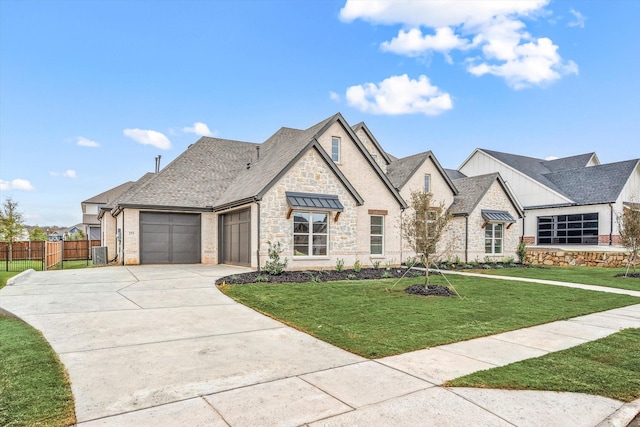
(629, 229)
(11, 224)
(424, 228)
(275, 265)
(37, 234)
(78, 235)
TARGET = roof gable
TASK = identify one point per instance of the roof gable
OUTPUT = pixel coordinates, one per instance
(400, 171)
(362, 126)
(280, 152)
(473, 189)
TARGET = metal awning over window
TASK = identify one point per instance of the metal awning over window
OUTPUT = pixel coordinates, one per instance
(314, 202)
(491, 216)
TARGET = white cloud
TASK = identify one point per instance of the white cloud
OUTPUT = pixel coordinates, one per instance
(148, 137)
(496, 28)
(86, 142)
(413, 43)
(533, 63)
(334, 96)
(198, 128)
(399, 95)
(69, 173)
(579, 19)
(16, 184)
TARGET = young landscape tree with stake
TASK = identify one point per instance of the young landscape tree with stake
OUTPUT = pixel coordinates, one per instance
(423, 227)
(629, 226)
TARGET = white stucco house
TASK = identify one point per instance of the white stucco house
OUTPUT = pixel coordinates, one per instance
(567, 201)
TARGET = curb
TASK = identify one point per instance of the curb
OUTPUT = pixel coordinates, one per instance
(19, 277)
(623, 416)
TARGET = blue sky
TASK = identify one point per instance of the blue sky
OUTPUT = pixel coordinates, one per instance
(92, 91)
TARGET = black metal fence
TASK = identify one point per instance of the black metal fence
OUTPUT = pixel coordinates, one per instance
(38, 255)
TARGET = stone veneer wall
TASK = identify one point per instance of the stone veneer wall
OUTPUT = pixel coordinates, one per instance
(563, 258)
(309, 175)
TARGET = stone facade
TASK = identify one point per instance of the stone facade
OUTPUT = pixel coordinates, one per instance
(559, 258)
(371, 148)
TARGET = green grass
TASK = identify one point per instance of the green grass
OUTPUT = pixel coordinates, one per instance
(34, 388)
(364, 317)
(586, 275)
(607, 367)
(4, 276)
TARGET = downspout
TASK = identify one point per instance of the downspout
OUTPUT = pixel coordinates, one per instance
(122, 239)
(466, 238)
(258, 249)
(611, 225)
(401, 233)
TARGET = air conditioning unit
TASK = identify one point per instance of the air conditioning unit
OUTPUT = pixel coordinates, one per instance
(99, 255)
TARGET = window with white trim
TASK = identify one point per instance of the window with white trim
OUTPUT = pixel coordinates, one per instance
(493, 236)
(310, 233)
(335, 149)
(427, 183)
(377, 235)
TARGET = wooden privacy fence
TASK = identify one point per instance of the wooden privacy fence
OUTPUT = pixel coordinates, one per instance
(41, 255)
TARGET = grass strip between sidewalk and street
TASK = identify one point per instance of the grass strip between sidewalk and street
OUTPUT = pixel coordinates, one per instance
(34, 386)
(371, 319)
(597, 276)
(608, 367)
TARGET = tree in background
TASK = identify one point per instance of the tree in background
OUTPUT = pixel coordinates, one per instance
(78, 235)
(629, 226)
(11, 224)
(37, 234)
(424, 228)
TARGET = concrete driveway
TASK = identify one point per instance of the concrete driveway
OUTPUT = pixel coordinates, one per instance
(160, 345)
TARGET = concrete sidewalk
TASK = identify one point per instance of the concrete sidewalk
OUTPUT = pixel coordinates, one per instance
(160, 345)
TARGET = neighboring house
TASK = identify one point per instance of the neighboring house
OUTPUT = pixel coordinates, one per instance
(569, 201)
(325, 194)
(91, 209)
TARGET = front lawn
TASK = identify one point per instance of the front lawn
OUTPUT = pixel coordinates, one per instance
(34, 388)
(369, 319)
(586, 275)
(607, 367)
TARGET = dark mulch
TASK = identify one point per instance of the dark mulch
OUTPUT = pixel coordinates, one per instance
(317, 276)
(430, 290)
(632, 275)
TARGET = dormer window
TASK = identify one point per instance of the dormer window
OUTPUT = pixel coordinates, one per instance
(335, 149)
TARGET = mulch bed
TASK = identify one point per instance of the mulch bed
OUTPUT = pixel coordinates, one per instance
(632, 275)
(317, 276)
(429, 291)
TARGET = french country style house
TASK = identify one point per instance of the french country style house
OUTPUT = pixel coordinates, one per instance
(326, 193)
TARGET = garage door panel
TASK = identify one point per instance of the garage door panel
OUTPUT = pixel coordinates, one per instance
(169, 238)
(235, 239)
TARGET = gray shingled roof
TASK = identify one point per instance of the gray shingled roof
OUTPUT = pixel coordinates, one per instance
(454, 174)
(595, 184)
(197, 177)
(470, 191)
(219, 173)
(110, 195)
(571, 177)
(275, 154)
